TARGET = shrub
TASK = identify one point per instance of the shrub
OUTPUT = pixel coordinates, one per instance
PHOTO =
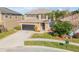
(55, 34)
(36, 29)
(66, 42)
(51, 33)
(76, 35)
(18, 28)
(61, 44)
(62, 27)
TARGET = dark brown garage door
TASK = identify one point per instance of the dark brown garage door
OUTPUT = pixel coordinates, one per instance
(28, 27)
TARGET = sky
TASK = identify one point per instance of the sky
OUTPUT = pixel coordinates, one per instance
(24, 10)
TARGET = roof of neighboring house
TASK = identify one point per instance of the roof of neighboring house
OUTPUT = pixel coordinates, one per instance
(39, 11)
(4, 10)
(70, 17)
(74, 19)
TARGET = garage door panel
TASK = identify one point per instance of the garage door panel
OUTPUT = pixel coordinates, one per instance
(28, 27)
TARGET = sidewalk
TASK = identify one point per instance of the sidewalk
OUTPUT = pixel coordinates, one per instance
(52, 40)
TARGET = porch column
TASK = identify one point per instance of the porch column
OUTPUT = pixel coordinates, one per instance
(46, 17)
(38, 27)
(1, 18)
(25, 17)
(47, 27)
(39, 17)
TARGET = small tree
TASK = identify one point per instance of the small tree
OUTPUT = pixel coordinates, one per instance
(62, 27)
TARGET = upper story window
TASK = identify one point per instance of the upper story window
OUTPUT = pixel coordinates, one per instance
(7, 16)
(43, 16)
(10, 17)
(37, 16)
(16, 17)
(30, 15)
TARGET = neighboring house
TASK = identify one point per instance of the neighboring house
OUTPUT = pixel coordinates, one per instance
(74, 19)
(8, 19)
(36, 18)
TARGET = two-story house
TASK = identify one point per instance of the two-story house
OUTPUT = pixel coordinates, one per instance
(8, 19)
(37, 18)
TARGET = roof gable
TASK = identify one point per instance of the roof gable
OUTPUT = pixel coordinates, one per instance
(39, 11)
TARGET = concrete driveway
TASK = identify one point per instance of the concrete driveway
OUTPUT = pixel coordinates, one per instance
(16, 39)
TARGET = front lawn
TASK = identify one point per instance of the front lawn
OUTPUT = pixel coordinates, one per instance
(42, 35)
(4, 34)
(48, 36)
(52, 44)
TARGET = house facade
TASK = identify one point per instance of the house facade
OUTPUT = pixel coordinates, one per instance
(8, 19)
(36, 20)
(74, 19)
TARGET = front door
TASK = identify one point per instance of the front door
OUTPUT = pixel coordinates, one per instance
(43, 26)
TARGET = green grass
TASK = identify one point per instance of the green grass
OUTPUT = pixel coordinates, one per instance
(42, 35)
(52, 44)
(48, 36)
(4, 34)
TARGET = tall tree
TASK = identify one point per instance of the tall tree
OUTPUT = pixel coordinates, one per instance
(54, 15)
(76, 11)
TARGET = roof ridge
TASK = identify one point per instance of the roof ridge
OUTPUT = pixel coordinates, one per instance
(38, 11)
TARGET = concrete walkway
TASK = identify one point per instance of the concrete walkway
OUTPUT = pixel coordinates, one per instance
(52, 40)
(16, 39)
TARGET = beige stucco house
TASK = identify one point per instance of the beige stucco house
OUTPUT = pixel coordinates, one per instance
(37, 20)
(8, 19)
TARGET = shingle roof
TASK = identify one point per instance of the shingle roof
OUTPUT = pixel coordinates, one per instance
(39, 11)
(4, 10)
(71, 17)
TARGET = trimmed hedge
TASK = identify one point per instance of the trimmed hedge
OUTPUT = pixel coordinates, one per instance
(18, 28)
